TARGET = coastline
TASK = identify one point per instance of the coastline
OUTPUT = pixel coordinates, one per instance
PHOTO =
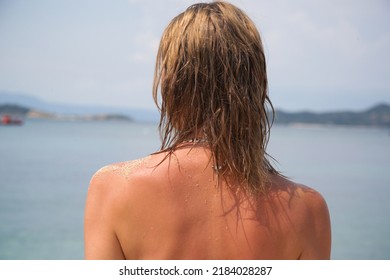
(376, 116)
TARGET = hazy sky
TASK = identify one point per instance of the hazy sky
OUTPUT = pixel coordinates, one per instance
(322, 55)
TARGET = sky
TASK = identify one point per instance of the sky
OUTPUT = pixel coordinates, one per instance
(323, 55)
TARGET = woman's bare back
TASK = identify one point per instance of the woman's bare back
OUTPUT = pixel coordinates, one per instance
(175, 209)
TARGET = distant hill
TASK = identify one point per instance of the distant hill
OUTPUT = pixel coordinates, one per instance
(38, 105)
(378, 115)
(21, 112)
(13, 109)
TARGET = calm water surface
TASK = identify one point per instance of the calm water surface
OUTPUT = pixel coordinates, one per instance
(45, 168)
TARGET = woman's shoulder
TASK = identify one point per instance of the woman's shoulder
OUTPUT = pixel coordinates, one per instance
(304, 204)
(121, 169)
(296, 192)
(308, 213)
(117, 174)
(116, 183)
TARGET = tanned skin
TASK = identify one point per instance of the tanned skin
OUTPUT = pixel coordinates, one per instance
(178, 209)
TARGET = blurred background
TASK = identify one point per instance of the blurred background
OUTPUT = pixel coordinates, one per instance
(75, 94)
(322, 55)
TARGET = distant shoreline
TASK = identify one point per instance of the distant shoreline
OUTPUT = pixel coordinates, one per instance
(377, 116)
(33, 114)
(22, 112)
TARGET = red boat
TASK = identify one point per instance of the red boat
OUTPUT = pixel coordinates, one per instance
(9, 120)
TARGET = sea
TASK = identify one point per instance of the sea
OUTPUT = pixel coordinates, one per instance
(46, 166)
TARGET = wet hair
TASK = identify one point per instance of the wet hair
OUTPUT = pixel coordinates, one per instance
(210, 82)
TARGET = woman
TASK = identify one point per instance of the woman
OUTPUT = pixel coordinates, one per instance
(210, 192)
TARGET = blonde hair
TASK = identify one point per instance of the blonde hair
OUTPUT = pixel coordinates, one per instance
(211, 74)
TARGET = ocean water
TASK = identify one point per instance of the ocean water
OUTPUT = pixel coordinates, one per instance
(45, 168)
